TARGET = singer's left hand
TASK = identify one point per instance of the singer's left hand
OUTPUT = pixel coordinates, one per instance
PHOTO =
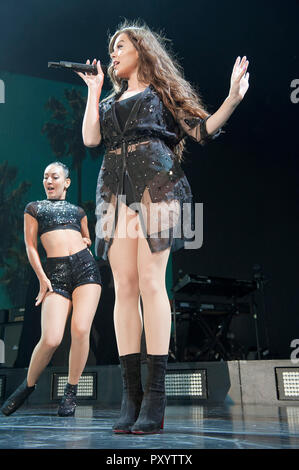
(239, 79)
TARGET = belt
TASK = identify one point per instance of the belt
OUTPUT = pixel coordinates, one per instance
(130, 148)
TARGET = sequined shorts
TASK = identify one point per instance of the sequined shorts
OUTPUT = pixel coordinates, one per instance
(68, 272)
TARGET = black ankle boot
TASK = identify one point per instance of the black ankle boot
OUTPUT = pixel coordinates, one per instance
(68, 402)
(132, 392)
(17, 398)
(151, 416)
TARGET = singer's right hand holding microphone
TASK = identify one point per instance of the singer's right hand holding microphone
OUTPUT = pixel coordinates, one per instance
(93, 81)
(91, 131)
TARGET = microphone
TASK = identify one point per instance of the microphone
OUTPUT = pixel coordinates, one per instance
(63, 64)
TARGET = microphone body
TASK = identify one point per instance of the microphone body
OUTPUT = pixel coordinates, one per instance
(77, 67)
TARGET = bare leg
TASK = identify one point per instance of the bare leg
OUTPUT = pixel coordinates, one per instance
(85, 302)
(156, 306)
(123, 261)
(55, 310)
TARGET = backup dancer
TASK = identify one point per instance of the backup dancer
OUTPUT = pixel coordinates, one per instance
(69, 280)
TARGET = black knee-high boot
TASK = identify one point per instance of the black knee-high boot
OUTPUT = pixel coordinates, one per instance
(17, 398)
(132, 392)
(151, 416)
(68, 402)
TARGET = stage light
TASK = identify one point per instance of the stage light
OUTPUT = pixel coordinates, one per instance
(2, 387)
(287, 379)
(189, 384)
(87, 389)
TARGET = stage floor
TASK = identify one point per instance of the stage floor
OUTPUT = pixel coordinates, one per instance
(186, 427)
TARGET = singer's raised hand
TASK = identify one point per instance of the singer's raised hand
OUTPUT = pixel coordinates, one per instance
(93, 81)
(239, 79)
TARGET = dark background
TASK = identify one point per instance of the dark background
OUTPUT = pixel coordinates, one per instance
(247, 179)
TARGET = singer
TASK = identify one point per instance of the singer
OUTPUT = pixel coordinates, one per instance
(70, 279)
(141, 185)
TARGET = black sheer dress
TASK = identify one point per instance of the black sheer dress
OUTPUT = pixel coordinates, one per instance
(139, 134)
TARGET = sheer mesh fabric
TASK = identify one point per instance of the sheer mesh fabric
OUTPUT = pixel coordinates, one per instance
(195, 128)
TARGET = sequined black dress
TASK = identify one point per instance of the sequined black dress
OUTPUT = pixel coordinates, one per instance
(139, 155)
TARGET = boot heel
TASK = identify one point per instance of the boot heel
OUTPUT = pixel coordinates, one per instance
(162, 424)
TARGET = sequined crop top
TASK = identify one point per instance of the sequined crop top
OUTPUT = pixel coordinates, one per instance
(55, 214)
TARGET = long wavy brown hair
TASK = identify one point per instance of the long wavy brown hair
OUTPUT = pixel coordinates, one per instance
(158, 66)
